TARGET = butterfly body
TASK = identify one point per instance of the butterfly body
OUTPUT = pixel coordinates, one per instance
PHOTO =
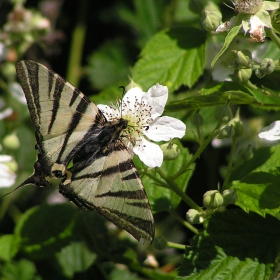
(70, 128)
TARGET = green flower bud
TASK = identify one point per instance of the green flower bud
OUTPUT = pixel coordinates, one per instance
(160, 243)
(267, 65)
(170, 151)
(226, 131)
(212, 19)
(246, 153)
(8, 70)
(229, 196)
(131, 85)
(13, 166)
(243, 59)
(197, 119)
(212, 199)
(11, 141)
(193, 217)
(237, 125)
(242, 75)
(223, 113)
(259, 73)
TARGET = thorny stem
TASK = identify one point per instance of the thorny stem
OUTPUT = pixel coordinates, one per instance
(183, 222)
(174, 187)
(176, 245)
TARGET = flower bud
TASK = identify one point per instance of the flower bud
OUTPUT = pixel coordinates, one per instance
(11, 141)
(12, 165)
(223, 113)
(267, 65)
(170, 151)
(131, 85)
(160, 243)
(151, 261)
(212, 19)
(237, 125)
(246, 153)
(229, 196)
(259, 73)
(243, 59)
(226, 131)
(242, 75)
(212, 199)
(193, 217)
(197, 119)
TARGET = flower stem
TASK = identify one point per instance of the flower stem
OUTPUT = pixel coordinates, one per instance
(76, 49)
(230, 163)
(272, 35)
(183, 222)
(174, 187)
(197, 154)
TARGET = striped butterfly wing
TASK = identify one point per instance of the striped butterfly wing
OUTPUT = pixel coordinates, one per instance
(69, 127)
(62, 117)
(110, 183)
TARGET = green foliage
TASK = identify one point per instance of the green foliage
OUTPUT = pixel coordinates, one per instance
(149, 41)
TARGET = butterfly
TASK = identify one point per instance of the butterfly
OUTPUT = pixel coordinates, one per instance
(77, 144)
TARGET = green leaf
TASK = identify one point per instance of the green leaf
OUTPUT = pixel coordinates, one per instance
(230, 36)
(46, 229)
(233, 247)
(173, 57)
(9, 246)
(257, 182)
(21, 270)
(146, 17)
(161, 198)
(75, 257)
(109, 65)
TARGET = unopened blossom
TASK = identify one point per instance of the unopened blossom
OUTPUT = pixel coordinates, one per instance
(247, 6)
(143, 112)
(271, 132)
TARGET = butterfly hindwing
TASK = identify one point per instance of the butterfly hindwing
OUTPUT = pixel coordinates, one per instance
(70, 128)
(111, 185)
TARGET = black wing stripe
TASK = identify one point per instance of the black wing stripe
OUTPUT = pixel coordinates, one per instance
(57, 95)
(81, 108)
(136, 194)
(116, 217)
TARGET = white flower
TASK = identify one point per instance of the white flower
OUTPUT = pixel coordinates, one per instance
(271, 132)
(257, 31)
(255, 24)
(7, 176)
(142, 110)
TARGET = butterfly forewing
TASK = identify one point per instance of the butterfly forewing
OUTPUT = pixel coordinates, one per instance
(69, 127)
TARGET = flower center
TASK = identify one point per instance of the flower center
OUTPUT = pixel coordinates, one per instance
(139, 117)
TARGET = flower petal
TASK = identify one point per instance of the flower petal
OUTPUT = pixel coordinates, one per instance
(149, 153)
(109, 112)
(131, 97)
(157, 98)
(271, 132)
(165, 128)
(8, 178)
